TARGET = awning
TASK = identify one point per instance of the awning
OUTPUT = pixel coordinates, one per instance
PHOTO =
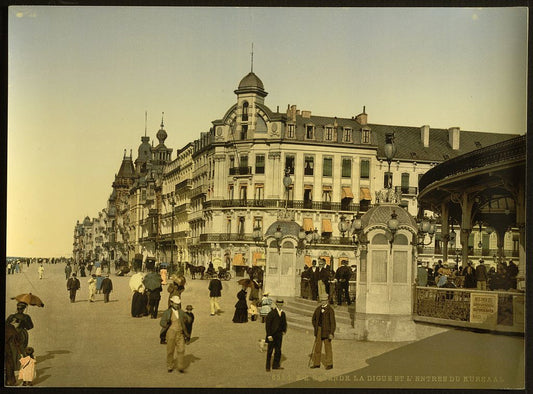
(326, 226)
(308, 224)
(237, 259)
(326, 187)
(365, 194)
(308, 261)
(258, 258)
(308, 187)
(346, 192)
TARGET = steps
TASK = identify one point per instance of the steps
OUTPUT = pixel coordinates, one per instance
(300, 311)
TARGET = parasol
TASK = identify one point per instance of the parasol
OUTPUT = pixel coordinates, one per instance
(136, 282)
(29, 299)
(248, 283)
(152, 281)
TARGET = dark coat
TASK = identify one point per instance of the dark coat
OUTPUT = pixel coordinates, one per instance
(275, 324)
(107, 285)
(323, 275)
(343, 273)
(215, 287)
(328, 321)
(241, 308)
(185, 320)
(481, 272)
(73, 284)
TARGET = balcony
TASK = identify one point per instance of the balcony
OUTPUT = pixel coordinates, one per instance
(406, 190)
(240, 171)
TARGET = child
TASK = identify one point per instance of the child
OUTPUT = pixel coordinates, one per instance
(266, 306)
(27, 367)
(188, 311)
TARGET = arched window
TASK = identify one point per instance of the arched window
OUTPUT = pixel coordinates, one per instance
(380, 239)
(400, 239)
(245, 111)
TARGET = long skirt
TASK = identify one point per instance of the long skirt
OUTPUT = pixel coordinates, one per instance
(241, 315)
(138, 304)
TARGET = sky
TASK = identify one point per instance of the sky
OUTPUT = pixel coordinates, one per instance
(81, 78)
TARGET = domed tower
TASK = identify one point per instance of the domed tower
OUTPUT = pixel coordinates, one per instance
(161, 154)
(144, 153)
(250, 94)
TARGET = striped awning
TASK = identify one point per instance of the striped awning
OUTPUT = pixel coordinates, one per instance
(308, 261)
(258, 258)
(326, 226)
(238, 259)
(308, 224)
(346, 192)
(365, 194)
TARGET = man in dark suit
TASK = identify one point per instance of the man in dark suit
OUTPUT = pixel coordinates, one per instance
(276, 326)
(313, 280)
(324, 327)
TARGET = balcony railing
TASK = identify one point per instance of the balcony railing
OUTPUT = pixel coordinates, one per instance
(407, 190)
(279, 203)
(240, 171)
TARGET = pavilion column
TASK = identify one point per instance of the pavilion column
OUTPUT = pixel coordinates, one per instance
(444, 230)
(521, 224)
(466, 224)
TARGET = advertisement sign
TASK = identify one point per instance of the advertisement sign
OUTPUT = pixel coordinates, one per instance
(484, 308)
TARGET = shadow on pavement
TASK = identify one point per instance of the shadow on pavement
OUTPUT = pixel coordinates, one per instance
(50, 354)
(189, 359)
(453, 359)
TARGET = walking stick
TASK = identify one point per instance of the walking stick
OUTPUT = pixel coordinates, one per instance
(309, 363)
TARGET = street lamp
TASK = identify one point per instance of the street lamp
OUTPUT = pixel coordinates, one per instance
(302, 242)
(343, 225)
(390, 152)
(257, 235)
(426, 226)
(356, 228)
(392, 225)
(278, 235)
(173, 203)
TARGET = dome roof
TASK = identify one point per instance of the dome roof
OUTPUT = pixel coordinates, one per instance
(251, 81)
(161, 135)
(286, 227)
(380, 214)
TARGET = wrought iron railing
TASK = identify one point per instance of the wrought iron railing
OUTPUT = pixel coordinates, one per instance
(512, 149)
(279, 203)
(407, 190)
(454, 305)
(240, 171)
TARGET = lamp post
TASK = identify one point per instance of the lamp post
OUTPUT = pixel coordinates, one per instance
(392, 225)
(278, 235)
(343, 225)
(390, 152)
(172, 203)
(426, 226)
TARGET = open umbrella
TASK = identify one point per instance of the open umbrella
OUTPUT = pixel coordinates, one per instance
(29, 299)
(248, 283)
(152, 281)
(136, 282)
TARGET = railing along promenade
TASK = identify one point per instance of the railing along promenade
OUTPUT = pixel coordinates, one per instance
(487, 310)
(506, 151)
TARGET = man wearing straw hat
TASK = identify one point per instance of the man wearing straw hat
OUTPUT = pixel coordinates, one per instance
(175, 321)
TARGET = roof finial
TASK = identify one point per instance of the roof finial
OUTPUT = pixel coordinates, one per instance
(162, 114)
(364, 109)
(124, 154)
(145, 121)
(252, 69)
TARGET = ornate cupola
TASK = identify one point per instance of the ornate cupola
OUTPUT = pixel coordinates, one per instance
(162, 134)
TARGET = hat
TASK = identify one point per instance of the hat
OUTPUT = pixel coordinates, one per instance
(73, 274)
(279, 301)
(29, 350)
(175, 300)
(344, 262)
(21, 304)
(93, 275)
(324, 297)
(266, 294)
(321, 262)
(188, 307)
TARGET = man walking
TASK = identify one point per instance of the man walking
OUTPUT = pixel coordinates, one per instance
(481, 276)
(276, 326)
(68, 271)
(324, 326)
(174, 321)
(73, 284)
(343, 281)
(40, 270)
(107, 287)
(215, 289)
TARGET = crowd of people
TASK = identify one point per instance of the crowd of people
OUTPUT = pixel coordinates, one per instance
(480, 277)
(323, 279)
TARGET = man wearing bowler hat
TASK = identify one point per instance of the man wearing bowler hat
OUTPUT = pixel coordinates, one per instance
(276, 326)
(324, 326)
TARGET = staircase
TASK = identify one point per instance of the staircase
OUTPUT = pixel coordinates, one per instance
(299, 312)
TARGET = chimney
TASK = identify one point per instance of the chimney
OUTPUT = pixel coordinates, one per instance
(306, 114)
(291, 112)
(424, 135)
(453, 137)
(362, 118)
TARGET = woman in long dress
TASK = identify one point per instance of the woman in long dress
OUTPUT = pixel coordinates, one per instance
(241, 308)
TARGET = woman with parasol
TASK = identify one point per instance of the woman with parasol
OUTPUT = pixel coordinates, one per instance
(25, 322)
(241, 308)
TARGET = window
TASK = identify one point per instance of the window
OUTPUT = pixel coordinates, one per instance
(241, 226)
(365, 169)
(259, 191)
(346, 168)
(260, 164)
(405, 183)
(244, 161)
(308, 196)
(231, 161)
(326, 194)
(245, 111)
(327, 169)
(289, 163)
(244, 131)
(365, 136)
(290, 196)
(328, 135)
(387, 181)
(242, 193)
(347, 135)
(230, 192)
(291, 130)
(309, 132)
(309, 164)
(228, 225)
(258, 223)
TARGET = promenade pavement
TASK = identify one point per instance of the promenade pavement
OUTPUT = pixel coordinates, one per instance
(99, 344)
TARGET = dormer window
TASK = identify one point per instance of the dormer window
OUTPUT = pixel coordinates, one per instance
(245, 111)
(309, 132)
(365, 136)
(328, 133)
(291, 130)
(347, 135)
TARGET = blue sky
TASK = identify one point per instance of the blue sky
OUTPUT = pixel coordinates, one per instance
(81, 78)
